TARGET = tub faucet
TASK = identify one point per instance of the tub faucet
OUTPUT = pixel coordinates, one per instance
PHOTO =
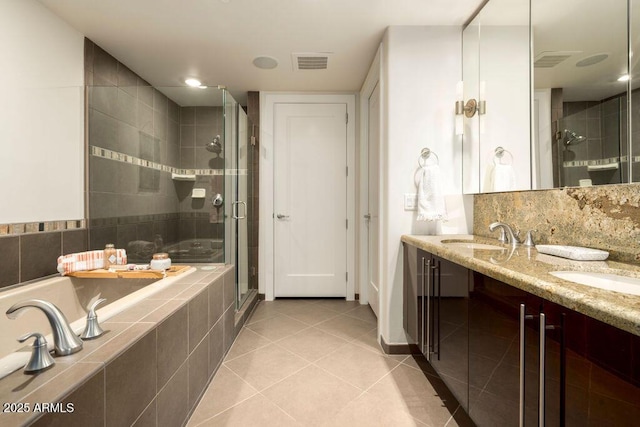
(65, 340)
(507, 235)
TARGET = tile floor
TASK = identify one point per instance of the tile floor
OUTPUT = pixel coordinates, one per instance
(316, 362)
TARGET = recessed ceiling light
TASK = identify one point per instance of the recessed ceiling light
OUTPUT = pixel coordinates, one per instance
(592, 60)
(193, 82)
(265, 62)
(624, 78)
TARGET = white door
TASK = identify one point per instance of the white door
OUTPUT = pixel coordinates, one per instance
(310, 200)
(372, 215)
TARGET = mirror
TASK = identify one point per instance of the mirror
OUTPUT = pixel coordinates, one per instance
(580, 118)
(580, 52)
(496, 140)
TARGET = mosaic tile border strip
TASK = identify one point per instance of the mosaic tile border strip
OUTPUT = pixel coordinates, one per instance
(105, 153)
(43, 226)
(599, 162)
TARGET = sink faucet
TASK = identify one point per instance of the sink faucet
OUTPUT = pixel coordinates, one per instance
(65, 340)
(507, 235)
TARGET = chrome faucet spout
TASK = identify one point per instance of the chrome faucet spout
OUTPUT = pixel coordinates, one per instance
(507, 232)
(65, 340)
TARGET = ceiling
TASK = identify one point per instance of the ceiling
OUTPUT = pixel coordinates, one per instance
(166, 41)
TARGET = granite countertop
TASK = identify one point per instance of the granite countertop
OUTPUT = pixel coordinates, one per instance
(526, 269)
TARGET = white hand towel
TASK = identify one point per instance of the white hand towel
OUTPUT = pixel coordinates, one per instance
(502, 178)
(431, 205)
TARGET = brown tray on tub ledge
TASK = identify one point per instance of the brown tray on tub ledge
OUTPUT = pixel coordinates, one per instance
(174, 270)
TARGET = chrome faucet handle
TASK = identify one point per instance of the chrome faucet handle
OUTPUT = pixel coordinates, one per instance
(528, 241)
(92, 329)
(40, 357)
(503, 236)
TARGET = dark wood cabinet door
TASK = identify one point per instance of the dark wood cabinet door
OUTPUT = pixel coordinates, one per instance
(450, 330)
(494, 353)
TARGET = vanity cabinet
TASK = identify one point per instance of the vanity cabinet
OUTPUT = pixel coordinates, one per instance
(435, 316)
(512, 358)
(535, 362)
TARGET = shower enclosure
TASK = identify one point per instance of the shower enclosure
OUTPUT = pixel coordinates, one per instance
(168, 172)
(590, 144)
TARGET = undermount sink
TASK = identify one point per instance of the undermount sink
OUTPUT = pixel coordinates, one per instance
(470, 244)
(606, 281)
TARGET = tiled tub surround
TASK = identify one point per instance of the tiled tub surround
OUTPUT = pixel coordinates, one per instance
(31, 256)
(526, 269)
(601, 217)
(150, 368)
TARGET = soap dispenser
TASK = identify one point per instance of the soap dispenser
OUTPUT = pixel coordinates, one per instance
(40, 357)
(92, 329)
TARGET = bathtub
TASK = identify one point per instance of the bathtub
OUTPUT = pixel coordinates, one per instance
(71, 295)
(197, 250)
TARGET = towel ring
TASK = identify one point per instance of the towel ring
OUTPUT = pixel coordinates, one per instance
(425, 153)
(499, 153)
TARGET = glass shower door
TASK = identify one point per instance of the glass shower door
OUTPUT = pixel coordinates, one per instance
(237, 140)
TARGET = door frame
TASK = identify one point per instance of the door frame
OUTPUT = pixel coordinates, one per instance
(266, 238)
(369, 85)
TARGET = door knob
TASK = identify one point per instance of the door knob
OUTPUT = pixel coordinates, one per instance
(280, 216)
(367, 216)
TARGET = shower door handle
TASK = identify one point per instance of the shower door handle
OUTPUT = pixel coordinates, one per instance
(234, 210)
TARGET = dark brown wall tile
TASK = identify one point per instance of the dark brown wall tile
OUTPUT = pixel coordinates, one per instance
(10, 260)
(172, 345)
(198, 372)
(38, 255)
(149, 417)
(87, 410)
(216, 345)
(173, 400)
(198, 318)
(131, 382)
(74, 241)
(216, 300)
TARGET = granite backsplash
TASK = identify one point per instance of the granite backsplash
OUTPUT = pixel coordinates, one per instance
(603, 217)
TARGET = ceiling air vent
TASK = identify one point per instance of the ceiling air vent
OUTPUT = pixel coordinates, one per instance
(310, 61)
(550, 59)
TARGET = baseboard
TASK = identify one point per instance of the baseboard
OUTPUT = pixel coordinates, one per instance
(398, 348)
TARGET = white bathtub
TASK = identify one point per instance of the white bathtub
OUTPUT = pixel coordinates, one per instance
(71, 295)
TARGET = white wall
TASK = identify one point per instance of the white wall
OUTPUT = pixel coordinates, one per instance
(420, 69)
(42, 115)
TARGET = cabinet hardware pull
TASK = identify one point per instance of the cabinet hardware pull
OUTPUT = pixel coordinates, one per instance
(522, 350)
(541, 375)
(429, 323)
(422, 293)
(439, 296)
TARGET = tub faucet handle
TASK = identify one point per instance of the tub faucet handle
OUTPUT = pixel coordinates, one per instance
(40, 357)
(92, 329)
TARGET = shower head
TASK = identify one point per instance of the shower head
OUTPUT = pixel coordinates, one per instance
(572, 138)
(214, 146)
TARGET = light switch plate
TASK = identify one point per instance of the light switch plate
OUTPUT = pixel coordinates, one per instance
(410, 201)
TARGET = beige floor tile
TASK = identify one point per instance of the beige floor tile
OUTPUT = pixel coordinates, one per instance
(276, 328)
(312, 314)
(263, 311)
(312, 344)
(345, 327)
(363, 312)
(226, 390)
(370, 411)
(426, 398)
(339, 305)
(266, 366)
(246, 342)
(359, 368)
(311, 396)
(256, 411)
(369, 341)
